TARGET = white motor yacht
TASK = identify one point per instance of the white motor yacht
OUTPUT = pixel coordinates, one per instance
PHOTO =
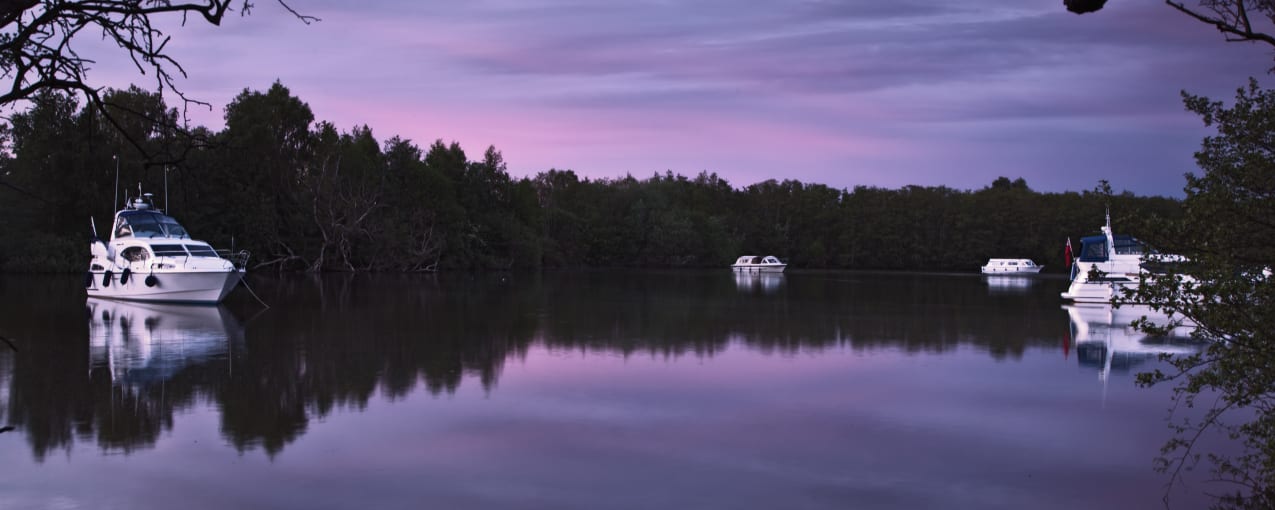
(1106, 264)
(1011, 266)
(151, 257)
(758, 264)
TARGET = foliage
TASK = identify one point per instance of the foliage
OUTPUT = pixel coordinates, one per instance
(1228, 236)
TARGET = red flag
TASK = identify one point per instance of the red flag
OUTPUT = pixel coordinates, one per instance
(1067, 252)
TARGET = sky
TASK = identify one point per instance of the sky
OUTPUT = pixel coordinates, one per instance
(843, 93)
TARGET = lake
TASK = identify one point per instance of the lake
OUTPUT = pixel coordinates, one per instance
(581, 390)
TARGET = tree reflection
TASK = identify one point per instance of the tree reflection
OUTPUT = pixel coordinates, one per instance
(332, 342)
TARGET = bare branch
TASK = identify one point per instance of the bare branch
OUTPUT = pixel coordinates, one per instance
(1231, 23)
(37, 54)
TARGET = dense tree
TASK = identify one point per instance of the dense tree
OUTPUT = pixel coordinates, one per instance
(1227, 235)
(412, 228)
(308, 196)
(268, 148)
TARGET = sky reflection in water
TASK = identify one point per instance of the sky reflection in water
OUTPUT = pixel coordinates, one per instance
(580, 390)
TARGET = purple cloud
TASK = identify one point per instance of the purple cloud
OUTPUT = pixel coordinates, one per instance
(837, 92)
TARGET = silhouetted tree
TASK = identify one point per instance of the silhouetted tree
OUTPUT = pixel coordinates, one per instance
(1238, 20)
(37, 47)
(1227, 235)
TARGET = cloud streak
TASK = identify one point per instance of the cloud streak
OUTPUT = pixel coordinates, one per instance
(838, 92)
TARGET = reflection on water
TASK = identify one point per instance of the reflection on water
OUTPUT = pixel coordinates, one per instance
(767, 283)
(724, 390)
(143, 343)
(1009, 284)
(1105, 338)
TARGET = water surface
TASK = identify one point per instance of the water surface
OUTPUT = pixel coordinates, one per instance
(604, 389)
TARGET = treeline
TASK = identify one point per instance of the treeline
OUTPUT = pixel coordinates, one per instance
(304, 195)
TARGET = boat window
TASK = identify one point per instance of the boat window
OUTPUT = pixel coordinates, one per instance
(1093, 249)
(150, 224)
(172, 228)
(122, 229)
(145, 226)
(1126, 245)
(135, 254)
(168, 250)
(201, 250)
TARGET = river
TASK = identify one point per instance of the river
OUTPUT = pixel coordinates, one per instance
(581, 390)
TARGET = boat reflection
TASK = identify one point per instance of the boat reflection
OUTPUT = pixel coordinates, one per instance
(767, 283)
(1106, 340)
(1009, 284)
(140, 343)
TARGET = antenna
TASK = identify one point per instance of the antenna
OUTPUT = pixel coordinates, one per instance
(117, 181)
(166, 211)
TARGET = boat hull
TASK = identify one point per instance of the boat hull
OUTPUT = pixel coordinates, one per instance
(205, 287)
(759, 268)
(1009, 271)
(1092, 292)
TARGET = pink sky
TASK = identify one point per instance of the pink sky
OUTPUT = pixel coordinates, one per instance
(840, 93)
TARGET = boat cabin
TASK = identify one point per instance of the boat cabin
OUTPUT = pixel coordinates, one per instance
(146, 224)
(1011, 266)
(1095, 249)
(1011, 263)
(757, 260)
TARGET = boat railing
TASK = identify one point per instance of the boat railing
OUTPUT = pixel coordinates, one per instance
(238, 258)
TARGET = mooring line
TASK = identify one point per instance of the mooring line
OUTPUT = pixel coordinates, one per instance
(254, 294)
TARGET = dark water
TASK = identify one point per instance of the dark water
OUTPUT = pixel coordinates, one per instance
(579, 390)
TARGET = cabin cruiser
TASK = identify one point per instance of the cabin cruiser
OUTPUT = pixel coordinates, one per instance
(151, 257)
(758, 264)
(1011, 266)
(1107, 264)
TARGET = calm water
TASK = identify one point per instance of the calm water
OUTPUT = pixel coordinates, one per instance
(579, 390)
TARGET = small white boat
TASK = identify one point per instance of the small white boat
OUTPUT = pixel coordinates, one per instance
(1011, 266)
(758, 264)
(1107, 264)
(151, 257)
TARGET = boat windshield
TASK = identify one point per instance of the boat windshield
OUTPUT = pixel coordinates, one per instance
(1093, 249)
(148, 224)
